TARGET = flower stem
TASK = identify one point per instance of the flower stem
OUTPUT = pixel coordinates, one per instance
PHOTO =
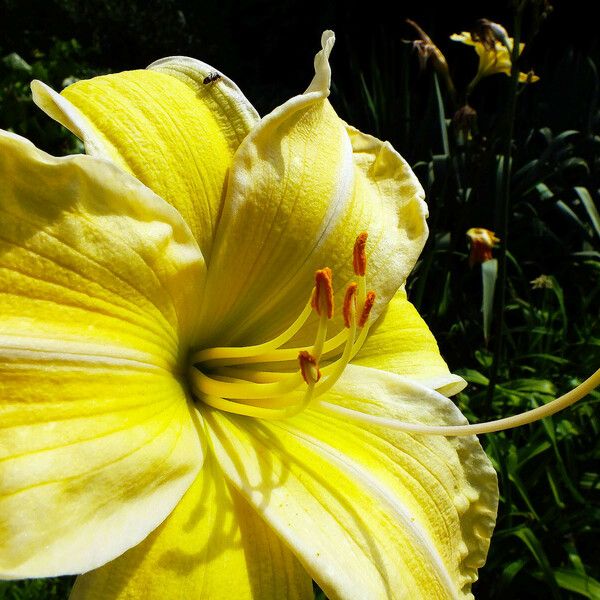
(505, 208)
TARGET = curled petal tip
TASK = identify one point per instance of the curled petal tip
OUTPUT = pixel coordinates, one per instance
(327, 41)
(322, 79)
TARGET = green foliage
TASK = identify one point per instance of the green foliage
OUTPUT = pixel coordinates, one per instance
(55, 588)
(63, 64)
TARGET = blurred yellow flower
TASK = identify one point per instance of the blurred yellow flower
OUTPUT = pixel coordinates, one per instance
(174, 376)
(542, 282)
(492, 59)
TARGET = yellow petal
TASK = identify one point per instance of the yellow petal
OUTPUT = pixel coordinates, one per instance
(97, 444)
(371, 513)
(303, 185)
(176, 134)
(492, 61)
(528, 78)
(213, 545)
(464, 37)
(400, 342)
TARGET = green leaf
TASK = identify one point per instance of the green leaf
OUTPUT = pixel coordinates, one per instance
(441, 115)
(474, 377)
(536, 549)
(590, 207)
(570, 214)
(489, 274)
(14, 62)
(578, 582)
(544, 191)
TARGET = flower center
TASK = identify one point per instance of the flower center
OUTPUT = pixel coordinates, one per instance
(254, 381)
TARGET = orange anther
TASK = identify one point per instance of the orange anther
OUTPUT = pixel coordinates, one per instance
(359, 256)
(366, 311)
(349, 303)
(322, 298)
(309, 367)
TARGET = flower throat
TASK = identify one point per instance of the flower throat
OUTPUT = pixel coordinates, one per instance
(228, 378)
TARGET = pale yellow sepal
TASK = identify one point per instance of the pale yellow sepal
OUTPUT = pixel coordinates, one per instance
(213, 546)
(176, 134)
(303, 185)
(370, 512)
(400, 342)
(97, 443)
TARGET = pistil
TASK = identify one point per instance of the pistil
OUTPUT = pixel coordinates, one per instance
(530, 416)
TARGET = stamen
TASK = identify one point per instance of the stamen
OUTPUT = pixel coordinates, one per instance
(525, 418)
(319, 344)
(246, 410)
(308, 367)
(253, 375)
(248, 390)
(322, 299)
(323, 304)
(359, 254)
(349, 304)
(311, 380)
(359, 262)
(233, 353)
(335, 370)
(366, 311)
(285, 354)
(218, 378)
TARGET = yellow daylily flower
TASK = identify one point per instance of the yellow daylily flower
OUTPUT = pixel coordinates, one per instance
(175, 379)
(492, 59)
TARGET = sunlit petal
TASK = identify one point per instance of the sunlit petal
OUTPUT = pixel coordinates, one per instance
(97, 442)
(165, 126)
(400, 342)
(303, 185)
(371, 513)
(213, 545)
(493, 60)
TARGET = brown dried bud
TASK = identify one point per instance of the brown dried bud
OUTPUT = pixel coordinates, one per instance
(465, 120)
(482, 241)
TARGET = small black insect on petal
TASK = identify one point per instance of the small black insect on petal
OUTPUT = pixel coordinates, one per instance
(211, 78)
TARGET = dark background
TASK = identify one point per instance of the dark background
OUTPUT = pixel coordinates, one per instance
(267, 47)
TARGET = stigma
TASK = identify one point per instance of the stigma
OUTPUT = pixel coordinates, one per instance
(274, 381)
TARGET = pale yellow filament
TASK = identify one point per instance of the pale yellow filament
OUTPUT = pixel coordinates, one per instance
(249, 390)
(233, 354)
